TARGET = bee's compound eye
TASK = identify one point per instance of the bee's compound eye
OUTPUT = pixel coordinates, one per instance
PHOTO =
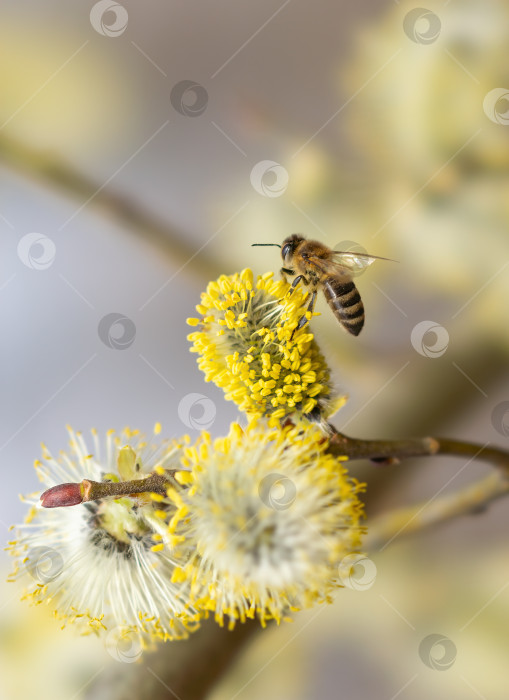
(287, 250)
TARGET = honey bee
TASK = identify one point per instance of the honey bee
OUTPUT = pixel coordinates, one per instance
(319, 267)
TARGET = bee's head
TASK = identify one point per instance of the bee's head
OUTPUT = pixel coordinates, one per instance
(289, 245)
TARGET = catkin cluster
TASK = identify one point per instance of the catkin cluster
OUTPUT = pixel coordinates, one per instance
(254, 524)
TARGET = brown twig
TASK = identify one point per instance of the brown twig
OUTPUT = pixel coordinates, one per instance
(381, 450)
(471, 499)
(187, 670)
(391, 450)
(72, 494)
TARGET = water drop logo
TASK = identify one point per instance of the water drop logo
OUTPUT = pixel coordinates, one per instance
(496, 106)
(277, 491)
(197, 411)
(357, 265)
(429, 339)
(437, 652)
(36, 251)
(357, 572)
(116, 331)
(500, 418)
(422, 26)
(269, 178)
(123, 645)
(109, 18)
(189, 98)
(44, 564)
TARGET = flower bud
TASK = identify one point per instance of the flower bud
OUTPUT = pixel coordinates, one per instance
(62, 495)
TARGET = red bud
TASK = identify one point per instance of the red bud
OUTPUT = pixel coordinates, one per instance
(62, 495)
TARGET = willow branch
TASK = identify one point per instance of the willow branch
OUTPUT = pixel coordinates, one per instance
(384, 451)
(47, 167)
(471, 499)
(487, 363)
(187, 670)
(74, 493)
(390, 451)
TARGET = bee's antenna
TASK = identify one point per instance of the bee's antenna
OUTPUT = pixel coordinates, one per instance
(276, 244)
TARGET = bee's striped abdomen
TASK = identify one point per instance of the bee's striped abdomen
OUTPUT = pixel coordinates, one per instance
(345, 302)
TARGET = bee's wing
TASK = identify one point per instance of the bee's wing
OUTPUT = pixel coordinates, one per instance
(355, 262)
(329, 266)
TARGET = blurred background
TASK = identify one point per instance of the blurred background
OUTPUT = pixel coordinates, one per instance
(143, 148)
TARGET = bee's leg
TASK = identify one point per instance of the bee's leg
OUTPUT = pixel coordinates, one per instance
(286, 271)
(310, 309)
(303, 319)
(296, 282)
